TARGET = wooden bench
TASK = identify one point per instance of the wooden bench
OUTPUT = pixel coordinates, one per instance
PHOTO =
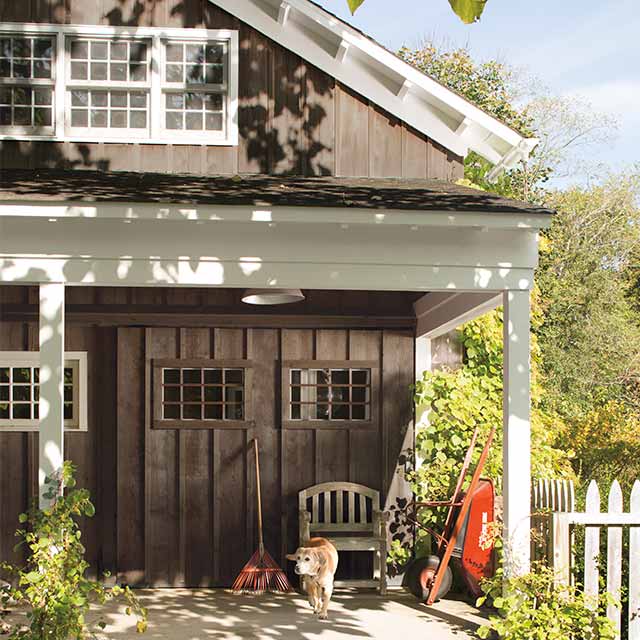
(348, 515)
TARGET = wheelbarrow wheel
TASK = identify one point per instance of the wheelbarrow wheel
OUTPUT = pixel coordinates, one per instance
(422, 573)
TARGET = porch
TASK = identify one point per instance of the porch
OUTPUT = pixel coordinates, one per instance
(408, 262)
(181, 614)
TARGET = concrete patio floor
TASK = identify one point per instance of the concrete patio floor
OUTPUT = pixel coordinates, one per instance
(180, 614)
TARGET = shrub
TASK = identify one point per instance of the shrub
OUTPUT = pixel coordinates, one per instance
(53, 586)
(534, 607)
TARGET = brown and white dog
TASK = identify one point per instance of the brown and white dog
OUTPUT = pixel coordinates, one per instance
(316, 564)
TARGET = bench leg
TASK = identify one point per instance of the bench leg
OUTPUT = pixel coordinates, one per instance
(382, 568)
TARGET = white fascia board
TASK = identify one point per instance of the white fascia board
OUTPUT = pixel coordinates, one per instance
(187, 272)
(345, 69)
(274, 215)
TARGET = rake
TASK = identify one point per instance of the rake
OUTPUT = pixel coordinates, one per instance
(262, 572)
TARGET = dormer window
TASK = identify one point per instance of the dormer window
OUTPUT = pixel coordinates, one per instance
(108, 84)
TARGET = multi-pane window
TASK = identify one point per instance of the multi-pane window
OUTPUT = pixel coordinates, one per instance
(20, 391)
(199, 393)
(121, 65)
(114, 84)
(331, 394)
(27, 83)
(194, 85)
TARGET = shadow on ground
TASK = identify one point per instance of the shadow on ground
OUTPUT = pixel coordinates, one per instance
(180, 614)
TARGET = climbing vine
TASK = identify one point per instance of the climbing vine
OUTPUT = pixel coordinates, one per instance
(455, 402)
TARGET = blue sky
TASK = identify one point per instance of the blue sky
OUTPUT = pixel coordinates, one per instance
(594, 53)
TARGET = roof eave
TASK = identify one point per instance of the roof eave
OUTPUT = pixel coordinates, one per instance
(378, 74)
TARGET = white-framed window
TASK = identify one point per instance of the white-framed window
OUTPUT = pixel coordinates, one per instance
(117, 84)
(20, 390)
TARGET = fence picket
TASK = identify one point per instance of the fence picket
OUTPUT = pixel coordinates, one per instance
(634, 567)
(614, 555)
(592, 544)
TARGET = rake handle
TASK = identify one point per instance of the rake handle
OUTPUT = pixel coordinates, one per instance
(259, 495)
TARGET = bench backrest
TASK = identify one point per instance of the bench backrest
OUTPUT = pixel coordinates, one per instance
(340, 506)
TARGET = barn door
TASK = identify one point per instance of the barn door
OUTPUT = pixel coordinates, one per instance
(187, 487)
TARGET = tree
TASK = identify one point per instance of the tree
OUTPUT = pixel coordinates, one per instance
(588, 327)
(468, 11)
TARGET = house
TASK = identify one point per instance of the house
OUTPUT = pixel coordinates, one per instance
(161, 158)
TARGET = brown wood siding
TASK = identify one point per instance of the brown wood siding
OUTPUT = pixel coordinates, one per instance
(293, 118)
(177, 507)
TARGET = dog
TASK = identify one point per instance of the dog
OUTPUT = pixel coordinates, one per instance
(316, 564)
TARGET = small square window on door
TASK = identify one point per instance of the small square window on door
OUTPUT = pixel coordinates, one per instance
(201, 394)
(329, 393)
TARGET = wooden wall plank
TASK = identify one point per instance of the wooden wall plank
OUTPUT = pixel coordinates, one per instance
(397, 413)
(365, 445)
(81, 447)
(319, 119)
(130, 479)
(161, 478)
(414, 153)
(263, 349)
(196, 482)
(14, 482)
(385, 148)
(297, 444)
(230, 477)
(332, 445)
(352, 133)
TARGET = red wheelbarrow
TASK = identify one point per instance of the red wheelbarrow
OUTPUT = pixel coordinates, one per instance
(466, 536)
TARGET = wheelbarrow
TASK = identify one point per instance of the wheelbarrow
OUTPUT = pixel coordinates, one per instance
(465, 537)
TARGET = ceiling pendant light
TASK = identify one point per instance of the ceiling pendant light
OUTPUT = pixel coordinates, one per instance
(272, 296)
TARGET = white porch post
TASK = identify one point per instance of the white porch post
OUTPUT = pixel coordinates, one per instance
(517, 432)
(51, 433)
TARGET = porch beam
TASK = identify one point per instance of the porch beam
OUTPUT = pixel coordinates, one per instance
(51, 337)
(438, 313)
(517, 432)
(247, 273)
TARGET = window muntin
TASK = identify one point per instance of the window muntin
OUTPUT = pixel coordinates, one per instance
(329, 394)
(190, 97)
(101, 76)
(27, 83)
(201, 393)
(110, 60)
(109, 109)
(20, 391)
(194, 85)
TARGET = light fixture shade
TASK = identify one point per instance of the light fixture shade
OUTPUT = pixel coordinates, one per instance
(272, 296)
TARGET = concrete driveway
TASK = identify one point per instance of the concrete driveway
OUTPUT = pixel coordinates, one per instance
(179, 614)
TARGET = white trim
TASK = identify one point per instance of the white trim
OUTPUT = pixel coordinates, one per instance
(379, 75)
(247, 273)
(274, 215)
(438, 313)
(516, 428)
(154, 133)
(72, 359)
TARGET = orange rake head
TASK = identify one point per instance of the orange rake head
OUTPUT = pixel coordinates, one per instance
(262, 574)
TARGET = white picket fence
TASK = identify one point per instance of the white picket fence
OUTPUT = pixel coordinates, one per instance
(558, 498)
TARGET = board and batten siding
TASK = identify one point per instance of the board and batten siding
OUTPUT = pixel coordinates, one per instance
(293, 118)
(177, 507)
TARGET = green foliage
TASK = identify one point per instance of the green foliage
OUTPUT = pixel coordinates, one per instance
(468, 11)
(489, 84)
(533, 607)
(456, 402)
(591, 329)
(53, 586)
